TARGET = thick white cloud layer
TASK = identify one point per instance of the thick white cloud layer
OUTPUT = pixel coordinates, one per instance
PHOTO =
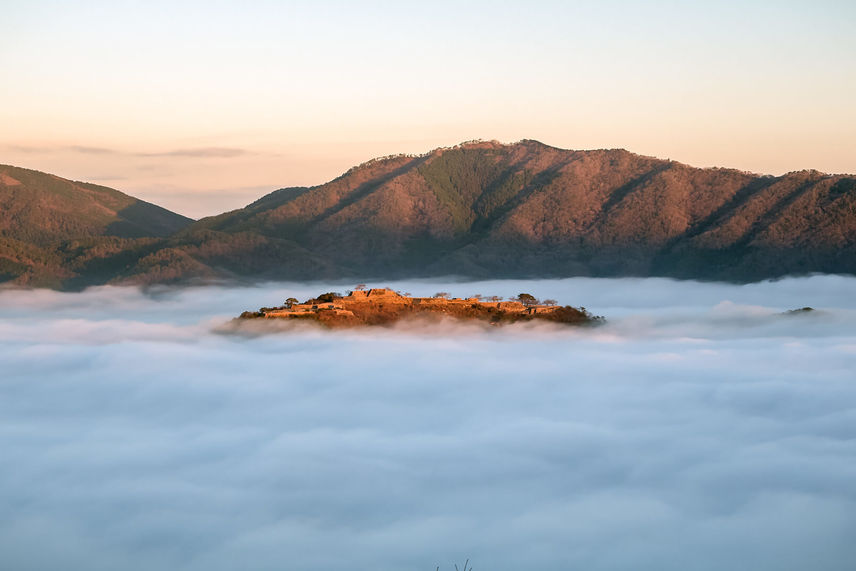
(698, 429)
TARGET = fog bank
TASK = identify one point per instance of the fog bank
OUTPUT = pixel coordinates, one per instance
(699, 428)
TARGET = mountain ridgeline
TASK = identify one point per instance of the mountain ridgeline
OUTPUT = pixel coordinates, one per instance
(478, 210)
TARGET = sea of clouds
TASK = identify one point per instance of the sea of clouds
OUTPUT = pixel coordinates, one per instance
(699, 428)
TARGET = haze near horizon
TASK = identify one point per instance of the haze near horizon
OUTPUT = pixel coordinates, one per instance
(204, 107)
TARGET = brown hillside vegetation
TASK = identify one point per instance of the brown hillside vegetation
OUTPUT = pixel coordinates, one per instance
(480, 209)
(42, 209)
(529, 210)
(57, 232)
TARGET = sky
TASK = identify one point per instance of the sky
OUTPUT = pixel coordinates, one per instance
(205, 106)
(699, 428)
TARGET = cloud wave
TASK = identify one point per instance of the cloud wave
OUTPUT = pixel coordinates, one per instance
(710, 432)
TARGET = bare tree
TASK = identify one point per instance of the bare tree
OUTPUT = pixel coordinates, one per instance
(359, 287)
(442, 295)
(551, 302)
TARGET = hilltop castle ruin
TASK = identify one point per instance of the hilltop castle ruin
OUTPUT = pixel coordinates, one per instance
(385, 297)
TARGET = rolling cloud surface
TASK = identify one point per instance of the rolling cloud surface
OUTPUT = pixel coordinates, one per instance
(699, 428)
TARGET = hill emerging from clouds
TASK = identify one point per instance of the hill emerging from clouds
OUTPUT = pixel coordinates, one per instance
(485, 209)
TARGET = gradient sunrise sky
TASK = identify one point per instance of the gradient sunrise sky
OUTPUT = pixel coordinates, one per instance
(205, 106)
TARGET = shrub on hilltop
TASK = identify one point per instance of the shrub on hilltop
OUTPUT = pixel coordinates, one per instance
(328, 297)
(570, 314)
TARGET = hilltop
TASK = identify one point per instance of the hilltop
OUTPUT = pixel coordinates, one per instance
(383, 306)
(487, 210)
(54, 231)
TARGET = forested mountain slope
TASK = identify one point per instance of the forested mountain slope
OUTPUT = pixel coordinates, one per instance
(487, 209)
(53, 230)
(480, 209)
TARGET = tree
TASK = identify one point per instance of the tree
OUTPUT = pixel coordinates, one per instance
(328, 297)
(495, 298)
(551, 302)
(290, 301)
(359, 287)
(527, 299)
(442, 295)
(477, 296)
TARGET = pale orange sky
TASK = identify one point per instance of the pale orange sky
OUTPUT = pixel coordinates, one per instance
(205, 107)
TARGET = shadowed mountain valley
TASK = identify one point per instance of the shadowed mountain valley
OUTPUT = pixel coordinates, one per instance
(480, 209)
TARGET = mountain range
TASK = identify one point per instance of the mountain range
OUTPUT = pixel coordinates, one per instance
(478, 210)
